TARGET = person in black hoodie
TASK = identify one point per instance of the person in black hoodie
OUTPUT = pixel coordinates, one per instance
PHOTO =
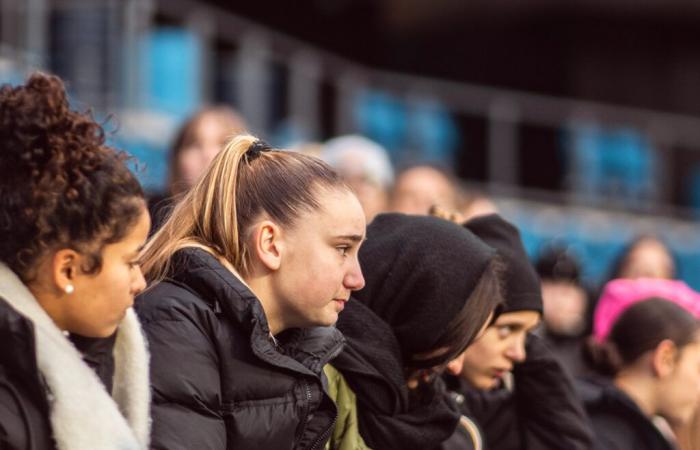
(650, 361)
(73, 360)
(508, 382)
(248, 272)
(568, 310)
(431, 287)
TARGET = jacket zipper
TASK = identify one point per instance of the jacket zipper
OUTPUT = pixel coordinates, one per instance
(326, 434)
(306, 410)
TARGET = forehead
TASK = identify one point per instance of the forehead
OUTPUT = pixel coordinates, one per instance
(651, 247)
(135, 236)
(339, 213)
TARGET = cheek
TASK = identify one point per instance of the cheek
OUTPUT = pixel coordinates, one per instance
(477, 375)
(313, 277)
(682, 388)
(190, 162)
(478, 358)
(114, 289)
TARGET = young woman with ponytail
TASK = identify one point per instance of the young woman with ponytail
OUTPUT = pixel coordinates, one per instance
(647, 348)
(248, 272)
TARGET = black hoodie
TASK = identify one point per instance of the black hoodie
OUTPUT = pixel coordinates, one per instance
(419, 273)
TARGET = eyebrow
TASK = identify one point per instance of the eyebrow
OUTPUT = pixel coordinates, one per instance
(516, 325)
(350, 237)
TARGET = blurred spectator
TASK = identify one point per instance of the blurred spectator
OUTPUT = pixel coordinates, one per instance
(366, 167)
(566, 306)
(310, 148)
(507, 381)
(196, 144)
(475, 203)
(420, 187)
(646, 348)
(646, 256)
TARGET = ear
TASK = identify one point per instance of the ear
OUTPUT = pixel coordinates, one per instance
(454, 367)
(65, 267)
(664, 358)
(268, 245)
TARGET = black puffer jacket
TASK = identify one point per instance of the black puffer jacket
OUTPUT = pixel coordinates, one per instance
(219, 380)
(618, 423)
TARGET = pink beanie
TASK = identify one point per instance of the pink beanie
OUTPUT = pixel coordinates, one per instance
(619, 295)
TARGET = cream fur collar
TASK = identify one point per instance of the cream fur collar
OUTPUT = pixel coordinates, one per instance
(83, 415)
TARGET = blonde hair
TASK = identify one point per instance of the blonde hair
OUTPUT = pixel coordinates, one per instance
(239, 186)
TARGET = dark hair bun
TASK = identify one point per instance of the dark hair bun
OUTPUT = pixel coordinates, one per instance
(59, 183)
(603, 357)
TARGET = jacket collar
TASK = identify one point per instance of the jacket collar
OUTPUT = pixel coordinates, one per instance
(83, 415)
(601, 395)
(303, 350)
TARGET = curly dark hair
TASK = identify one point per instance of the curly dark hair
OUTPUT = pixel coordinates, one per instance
(61, 186)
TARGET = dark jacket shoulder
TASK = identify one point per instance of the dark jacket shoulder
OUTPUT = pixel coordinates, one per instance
(24, 410)
(220, 379)
(618, 423)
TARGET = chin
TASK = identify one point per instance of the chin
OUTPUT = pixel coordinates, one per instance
(96, 333)
(330, 322)
(480, 383)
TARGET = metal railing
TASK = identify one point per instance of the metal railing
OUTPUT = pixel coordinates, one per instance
(504, 110)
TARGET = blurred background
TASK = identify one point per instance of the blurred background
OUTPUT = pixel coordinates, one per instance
(579, 120)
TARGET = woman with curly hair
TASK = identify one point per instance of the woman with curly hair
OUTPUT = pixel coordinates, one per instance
(73, 364)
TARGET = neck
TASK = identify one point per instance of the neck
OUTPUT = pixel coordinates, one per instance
(260, 286)
(640, 389)
(50, 304)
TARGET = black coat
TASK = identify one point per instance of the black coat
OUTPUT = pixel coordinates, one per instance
(24, 409)
(618, 423)
(219, 379)
(542, 412)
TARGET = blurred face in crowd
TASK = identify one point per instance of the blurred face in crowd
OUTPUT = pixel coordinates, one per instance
(371, 195)
(419, 188)
(679, 384)
(479, 206)
(565, 304)
(492, 356)
(649, 258)
(210, 133)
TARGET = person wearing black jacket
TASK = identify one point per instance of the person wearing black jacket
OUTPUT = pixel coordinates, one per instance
(648, 364)
(508, 382)
(431, 288)
(247, 274)
(73, 360)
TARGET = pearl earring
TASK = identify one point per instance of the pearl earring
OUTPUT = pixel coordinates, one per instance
(69, 289)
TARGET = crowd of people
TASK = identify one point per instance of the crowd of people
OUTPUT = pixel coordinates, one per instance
(310, 298)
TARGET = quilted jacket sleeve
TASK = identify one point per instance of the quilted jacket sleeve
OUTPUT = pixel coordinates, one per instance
(185, 378)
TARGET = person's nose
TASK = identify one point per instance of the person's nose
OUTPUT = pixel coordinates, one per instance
(354, 280)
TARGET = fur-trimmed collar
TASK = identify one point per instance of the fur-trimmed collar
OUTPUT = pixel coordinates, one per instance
(83, 415)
